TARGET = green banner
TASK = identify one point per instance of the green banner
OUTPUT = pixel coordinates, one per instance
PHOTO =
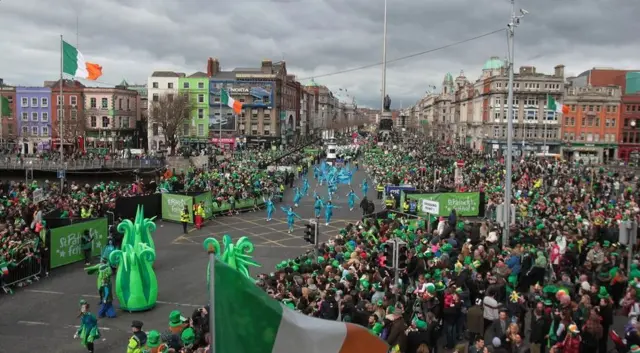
(66, 241)
(172, 206)
(312, 151)
(208, 207)
(466, 204)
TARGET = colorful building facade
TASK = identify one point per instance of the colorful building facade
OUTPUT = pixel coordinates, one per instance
(33, 115)
(68, 108)
(9, 134)
(111, 115)
(195, 132)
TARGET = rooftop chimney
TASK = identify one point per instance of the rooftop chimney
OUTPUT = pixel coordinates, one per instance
(559, 71)
(213, 67)
(266, 67)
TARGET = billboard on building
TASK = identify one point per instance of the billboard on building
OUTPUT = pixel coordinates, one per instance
(252, 95)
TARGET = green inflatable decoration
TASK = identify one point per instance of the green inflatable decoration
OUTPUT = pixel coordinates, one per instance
(237, 256)
(136, 283)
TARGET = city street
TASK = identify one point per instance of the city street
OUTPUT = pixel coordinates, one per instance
(43, 316)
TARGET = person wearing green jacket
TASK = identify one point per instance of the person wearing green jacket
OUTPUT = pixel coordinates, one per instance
(88, 331)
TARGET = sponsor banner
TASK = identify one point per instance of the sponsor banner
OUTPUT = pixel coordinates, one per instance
(172, 206)
(66, 242)
(396, 190)
(208, 207)
(466, 204)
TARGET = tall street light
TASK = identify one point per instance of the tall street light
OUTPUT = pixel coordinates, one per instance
(514, 22)
(384, 60)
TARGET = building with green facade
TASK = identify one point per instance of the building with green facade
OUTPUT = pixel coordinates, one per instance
(195, 133)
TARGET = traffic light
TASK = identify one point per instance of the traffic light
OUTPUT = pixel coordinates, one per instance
(388, 252)
(402, 257)
(310, 233)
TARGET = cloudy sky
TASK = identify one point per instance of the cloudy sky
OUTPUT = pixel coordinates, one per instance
(132, 38)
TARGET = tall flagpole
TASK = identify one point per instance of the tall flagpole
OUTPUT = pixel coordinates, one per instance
(220, 120)
(384, 61)
(61, 108)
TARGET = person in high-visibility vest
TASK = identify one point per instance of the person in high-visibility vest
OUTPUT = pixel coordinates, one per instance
(390, 202)
(380, 190)
(405, 207)
(85, 212)
(184, 218)
(199, 214)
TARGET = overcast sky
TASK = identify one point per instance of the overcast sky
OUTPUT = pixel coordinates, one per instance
(132, 38)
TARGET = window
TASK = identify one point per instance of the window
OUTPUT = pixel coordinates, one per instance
(119, 103)
(155, 97)
(154, 85)
(105, 103)
(154, 129)
(34, 116)
(200, 129)
(44, 102)
(45, 131)
(200, 85)
(589, 137)
(74, 114)
(10, 129)
(200, 113)
(44, 116)
(25, 131)
(582, 136)
(34, 131)
(124, 122)
(185, 85)
(24, 102)
(128, 104)
(201, 98)
(105, 122)
(25, 116)
(590, 108)
(60, 100)
(60, 114)
(170, 85)
(266, 114)
(254, 129)
(74, 100)
(185, 130)
(94, 121)
(496, 131)
(93, 102)
(34, 102)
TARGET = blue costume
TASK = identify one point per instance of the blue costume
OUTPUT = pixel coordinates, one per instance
(305, 187)
(291, 217)
(328, 212)
(331, 189)
(352, 199)
(270, 208)
(317, 206)
(297, 197)
(365, 188)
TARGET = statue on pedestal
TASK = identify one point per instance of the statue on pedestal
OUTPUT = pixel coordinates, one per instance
(387, 103)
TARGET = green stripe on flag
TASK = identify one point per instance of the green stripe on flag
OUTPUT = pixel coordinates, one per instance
(6, 107)
(69, 59)
(551, 103)
(224, 97)
(246, 318)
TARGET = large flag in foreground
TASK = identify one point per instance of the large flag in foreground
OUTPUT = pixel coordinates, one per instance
(248, 320)
(73, 64)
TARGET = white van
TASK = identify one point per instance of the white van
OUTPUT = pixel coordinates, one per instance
(332, 151)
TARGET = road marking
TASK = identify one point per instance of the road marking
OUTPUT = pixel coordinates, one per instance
(33, 323)
(98, 297)
(101, 328)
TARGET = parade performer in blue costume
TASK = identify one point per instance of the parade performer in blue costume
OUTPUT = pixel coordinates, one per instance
(352, 199)
(297, 197)
(317, 206)
(365, 188)
(305, 187)
(88, 330)
(328, 212)
(332, 187)
(270, 207)
(291, 217)
(316, 173)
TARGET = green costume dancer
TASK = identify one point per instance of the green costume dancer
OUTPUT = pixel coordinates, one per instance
(88, 331)
(136, 282)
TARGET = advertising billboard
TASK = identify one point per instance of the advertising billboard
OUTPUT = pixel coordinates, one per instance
(173, 204)
(466, 204)
(66, 244)
(252, 95)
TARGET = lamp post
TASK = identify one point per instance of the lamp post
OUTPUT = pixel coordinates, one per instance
(515, 21)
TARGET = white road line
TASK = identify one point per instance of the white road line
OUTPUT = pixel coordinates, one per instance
(96, 296)
(102, 328)
(33, 323)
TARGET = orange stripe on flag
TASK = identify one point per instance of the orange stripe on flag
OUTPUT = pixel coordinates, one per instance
(565, 109)
(359, 340)
(94, 71)
(237, 107)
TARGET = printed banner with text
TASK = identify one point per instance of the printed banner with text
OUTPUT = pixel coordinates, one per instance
(466, 204)
(172, 206)
(66, 244)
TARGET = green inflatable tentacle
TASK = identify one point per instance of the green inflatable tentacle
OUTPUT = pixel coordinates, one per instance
(238, 255)
(126, 227)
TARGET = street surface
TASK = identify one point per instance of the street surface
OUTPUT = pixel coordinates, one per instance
(43, 316)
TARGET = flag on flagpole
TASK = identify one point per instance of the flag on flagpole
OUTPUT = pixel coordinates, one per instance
(553, 105)
(73, 64)
(6, 107)
(226, 99)
(268, 326)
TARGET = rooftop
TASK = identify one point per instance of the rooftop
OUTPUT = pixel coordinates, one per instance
(198, 74)
(167, 74)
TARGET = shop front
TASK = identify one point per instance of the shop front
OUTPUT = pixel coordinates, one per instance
(226, 143)
(629, 153)
(590, 153)
(264, 142)
(194, 143)
(498, 148)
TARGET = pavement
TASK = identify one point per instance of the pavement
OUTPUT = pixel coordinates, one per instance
(43, 316)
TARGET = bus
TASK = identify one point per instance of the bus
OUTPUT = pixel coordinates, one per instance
(332, 151)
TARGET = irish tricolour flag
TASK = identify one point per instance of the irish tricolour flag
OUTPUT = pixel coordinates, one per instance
(230, 102)
(556, 107)
(248, 320)
(73, 64)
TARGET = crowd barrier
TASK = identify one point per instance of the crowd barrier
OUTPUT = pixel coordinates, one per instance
(126, 207)
(65, 240)
(173, 204)
(27, 270)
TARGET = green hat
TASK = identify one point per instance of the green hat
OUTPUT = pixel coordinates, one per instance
(379, 302)
(547, 302)
(606, 244)
(603, 294)
(320, 259)
(421, 324)
(550, 289)
(377, 328)
(439, 286)
(446, 248)
(377, 286)
(335, 264)
(153, 339)
(82, 302)
(188, 336)
(634, 348)
(176, 319)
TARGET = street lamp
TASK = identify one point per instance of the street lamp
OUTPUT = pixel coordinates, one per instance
(632, 123)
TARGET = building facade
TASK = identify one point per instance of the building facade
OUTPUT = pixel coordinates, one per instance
(110, 117)
(34, 118)
(590, 130)
(196, 130)
(159, 84)
(629, 141)
(8, 117)
(325, 106)
(142, 104)
(67, 108)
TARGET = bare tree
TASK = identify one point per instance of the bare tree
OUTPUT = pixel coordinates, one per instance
(73, 125)
(171, 112)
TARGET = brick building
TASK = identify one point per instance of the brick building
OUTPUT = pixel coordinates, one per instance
(70, 108)
(9, 121)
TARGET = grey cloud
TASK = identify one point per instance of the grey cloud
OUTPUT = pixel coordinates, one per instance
(132, 38)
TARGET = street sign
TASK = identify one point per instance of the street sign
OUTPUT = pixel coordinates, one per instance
(460, 163)
(431, 207)
(38, 196)
(61, 174)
